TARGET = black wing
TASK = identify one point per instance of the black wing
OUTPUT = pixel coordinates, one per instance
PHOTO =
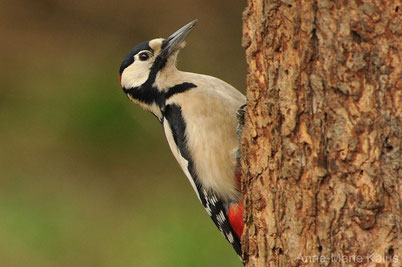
(213, 205)
(217, 212)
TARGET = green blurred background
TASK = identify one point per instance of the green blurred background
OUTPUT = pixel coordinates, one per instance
(86, 177)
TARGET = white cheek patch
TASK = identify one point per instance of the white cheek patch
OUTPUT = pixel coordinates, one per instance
(135, 75)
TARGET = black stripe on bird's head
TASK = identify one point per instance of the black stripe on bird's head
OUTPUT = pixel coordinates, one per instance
(142, 63)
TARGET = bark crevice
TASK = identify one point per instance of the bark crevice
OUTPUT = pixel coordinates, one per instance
(321, 141)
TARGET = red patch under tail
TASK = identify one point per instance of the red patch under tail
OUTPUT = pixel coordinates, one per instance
(235, 216)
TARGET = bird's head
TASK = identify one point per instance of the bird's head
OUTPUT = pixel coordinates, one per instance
(141, 68)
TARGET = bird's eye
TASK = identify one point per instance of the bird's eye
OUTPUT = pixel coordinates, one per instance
(143, 56)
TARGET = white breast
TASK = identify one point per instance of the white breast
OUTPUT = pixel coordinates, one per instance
(209, 111)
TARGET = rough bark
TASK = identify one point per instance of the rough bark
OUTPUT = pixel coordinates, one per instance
(322, 137)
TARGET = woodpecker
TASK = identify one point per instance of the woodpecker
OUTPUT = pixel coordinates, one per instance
(198, 115)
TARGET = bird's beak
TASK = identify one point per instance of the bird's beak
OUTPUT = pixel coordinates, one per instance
(172, 43)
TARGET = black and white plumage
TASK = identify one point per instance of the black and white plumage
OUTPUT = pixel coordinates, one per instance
(198, 115)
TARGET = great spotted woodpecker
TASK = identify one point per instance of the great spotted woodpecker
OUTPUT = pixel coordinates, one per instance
(198, 115)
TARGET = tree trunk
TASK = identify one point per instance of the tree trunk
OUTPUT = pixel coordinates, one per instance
(322, 136)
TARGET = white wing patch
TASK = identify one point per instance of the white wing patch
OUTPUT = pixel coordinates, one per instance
(221, 217)
(229, 237)
(214, 200)
(207, 207)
